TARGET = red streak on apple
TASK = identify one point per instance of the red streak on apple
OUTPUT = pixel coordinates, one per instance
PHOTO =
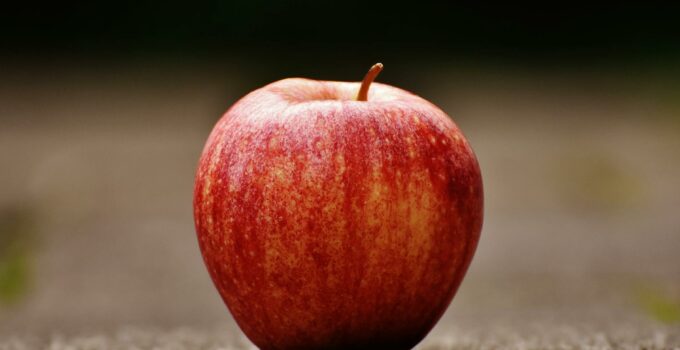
(328, 222)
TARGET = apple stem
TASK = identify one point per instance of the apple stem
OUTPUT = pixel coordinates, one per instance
(368, 79)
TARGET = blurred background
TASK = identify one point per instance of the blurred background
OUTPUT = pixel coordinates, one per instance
(573, 111)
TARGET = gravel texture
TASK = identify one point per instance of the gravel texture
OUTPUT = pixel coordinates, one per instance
(538, 337)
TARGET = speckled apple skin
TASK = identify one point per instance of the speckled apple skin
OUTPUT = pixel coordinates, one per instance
(329, 223)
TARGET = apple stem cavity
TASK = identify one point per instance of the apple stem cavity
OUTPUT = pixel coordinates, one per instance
(368, 79)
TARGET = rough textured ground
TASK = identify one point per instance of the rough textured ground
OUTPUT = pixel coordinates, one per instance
(579, 248)
(539, 338)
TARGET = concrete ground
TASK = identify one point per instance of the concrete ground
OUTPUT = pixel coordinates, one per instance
(579, 248)
(539, 337)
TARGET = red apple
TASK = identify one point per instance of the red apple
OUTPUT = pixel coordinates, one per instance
(333, 217)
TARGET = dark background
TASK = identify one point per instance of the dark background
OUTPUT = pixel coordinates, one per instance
(304, 33)
(573, 111)
(436, 27)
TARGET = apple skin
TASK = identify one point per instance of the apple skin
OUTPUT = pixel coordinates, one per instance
(331, 223)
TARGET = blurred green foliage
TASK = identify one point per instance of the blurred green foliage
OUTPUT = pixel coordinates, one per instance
(595, 181)
(16, 241)
(13, 277)
(658, 304)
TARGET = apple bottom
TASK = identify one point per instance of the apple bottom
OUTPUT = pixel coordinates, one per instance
(303, 266)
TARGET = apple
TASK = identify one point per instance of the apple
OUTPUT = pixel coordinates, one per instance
(331, 216)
